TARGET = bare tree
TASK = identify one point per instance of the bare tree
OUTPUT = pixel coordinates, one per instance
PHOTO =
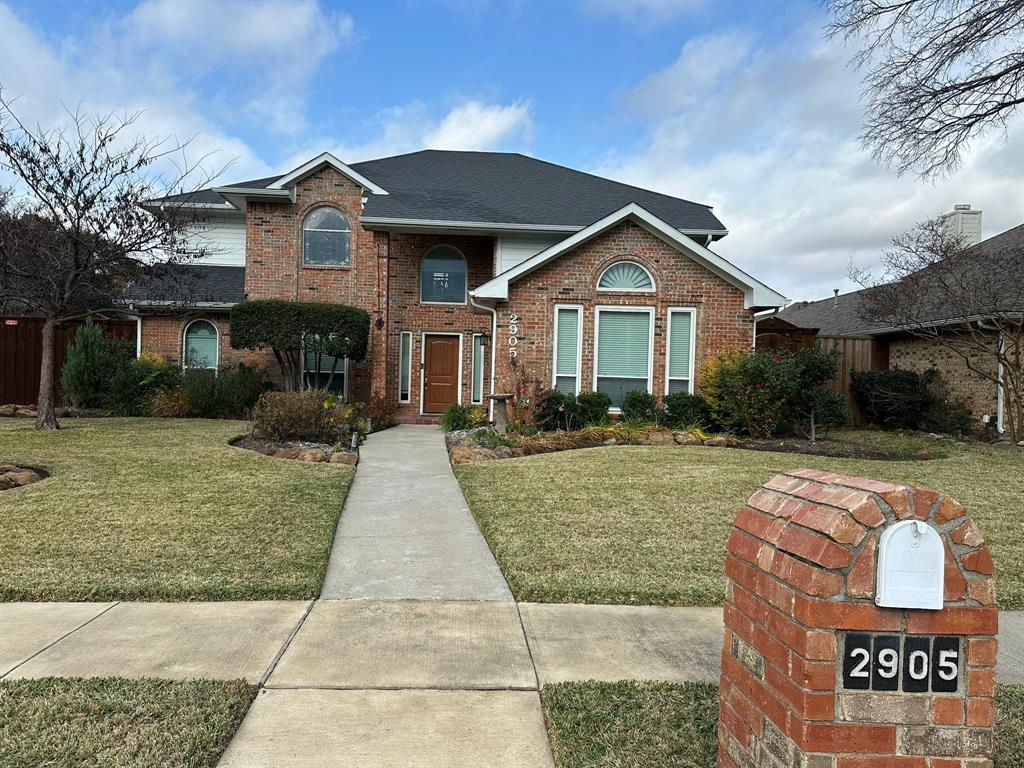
(73, 231)
(969, 301)
(939, 73)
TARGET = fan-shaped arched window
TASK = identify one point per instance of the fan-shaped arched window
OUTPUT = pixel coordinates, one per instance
(443, 276)
(200, 348)
(626, 276)
(326, 237)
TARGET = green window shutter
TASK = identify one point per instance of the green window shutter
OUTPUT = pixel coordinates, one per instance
(478, 369)
(623, 343)
(680, 335)
(626, 276)
(567, 341)
(404, 366)
(201, 345)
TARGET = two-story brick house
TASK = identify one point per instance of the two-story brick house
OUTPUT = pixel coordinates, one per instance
(466, 260)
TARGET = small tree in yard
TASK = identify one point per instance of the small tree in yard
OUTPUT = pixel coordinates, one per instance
(73, 232)
(812, 406)
(969, 301)
(294, 330)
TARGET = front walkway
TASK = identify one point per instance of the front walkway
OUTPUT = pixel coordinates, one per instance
(406, 532)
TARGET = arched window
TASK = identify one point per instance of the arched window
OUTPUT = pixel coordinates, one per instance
(626, 276)
(201, 348)
(443, 276)
(326, 237)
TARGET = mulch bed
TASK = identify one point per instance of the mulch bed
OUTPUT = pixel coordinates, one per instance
(831, 448)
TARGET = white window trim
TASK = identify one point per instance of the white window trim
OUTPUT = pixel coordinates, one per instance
(668, 342)
(408, 363)
(348, 232)
(652, 289)
(579, 345)
(650, 341)
(343, 371)
(423, 259)
(184, 345)
(472, 368)
(423, 364)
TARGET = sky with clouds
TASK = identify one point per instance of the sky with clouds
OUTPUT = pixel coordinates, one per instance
(745, 106)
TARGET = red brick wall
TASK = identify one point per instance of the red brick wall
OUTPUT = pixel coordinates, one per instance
(164, 335)
(721, 322)
(800, 575)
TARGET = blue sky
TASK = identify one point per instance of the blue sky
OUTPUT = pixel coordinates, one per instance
(746, 106)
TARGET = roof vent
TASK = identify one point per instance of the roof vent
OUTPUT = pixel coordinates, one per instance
(835, 297)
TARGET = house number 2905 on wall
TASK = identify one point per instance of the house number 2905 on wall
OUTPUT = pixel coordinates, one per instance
(513, 335)
(916, 665)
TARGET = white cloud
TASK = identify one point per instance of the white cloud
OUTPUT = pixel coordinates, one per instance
(645, 12)
(770, 141)
(469, 125)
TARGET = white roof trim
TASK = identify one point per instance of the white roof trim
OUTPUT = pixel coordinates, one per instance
(755, 293)
(327, 159)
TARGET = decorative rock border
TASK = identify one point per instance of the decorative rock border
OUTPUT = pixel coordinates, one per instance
(17, 476)
(313, 453)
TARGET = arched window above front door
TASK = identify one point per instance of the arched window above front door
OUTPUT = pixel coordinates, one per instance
(326, 238)
(200, 346)
(443, 276)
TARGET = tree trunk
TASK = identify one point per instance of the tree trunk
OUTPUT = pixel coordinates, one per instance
(47, 418)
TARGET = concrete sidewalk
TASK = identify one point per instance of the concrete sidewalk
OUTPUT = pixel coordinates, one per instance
(406, 532)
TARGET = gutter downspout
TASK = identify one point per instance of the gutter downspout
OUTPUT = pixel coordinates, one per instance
(494, 345)
(138, 332)
(1000, 405)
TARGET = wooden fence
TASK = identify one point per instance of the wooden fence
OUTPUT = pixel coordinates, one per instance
(21, 353)
(859, 353)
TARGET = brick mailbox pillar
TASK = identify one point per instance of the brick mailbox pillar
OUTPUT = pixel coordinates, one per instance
(816, 672)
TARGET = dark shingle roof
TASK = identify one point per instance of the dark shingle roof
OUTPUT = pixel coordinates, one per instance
(842, 315)
(498, 188)
(189, 284)
(506, 188)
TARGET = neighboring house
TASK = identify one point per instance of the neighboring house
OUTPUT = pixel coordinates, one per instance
(465, 261)
(842, 318)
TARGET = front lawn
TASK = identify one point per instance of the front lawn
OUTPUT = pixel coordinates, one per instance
(118, 723)
(648, 525)
(670, 725)
(162, 509)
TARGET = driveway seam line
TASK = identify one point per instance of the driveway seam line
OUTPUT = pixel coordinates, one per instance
(286, 645)
(67, 634)
(529, 648)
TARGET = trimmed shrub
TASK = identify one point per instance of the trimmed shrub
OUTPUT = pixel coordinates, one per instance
(555, 410)
(748, 392)
(231, 394)
(639, 407)
(896, 398)
(463, 417)
(811, 406)
(170, 404)
(134, 382)
(593, 408)
(685, 410)
(91, 363)
(313, 415)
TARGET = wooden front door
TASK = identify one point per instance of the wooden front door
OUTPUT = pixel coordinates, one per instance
(440, 373)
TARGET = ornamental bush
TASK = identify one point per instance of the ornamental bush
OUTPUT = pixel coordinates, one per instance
(683, 410)
(463, 417)
(639, 407)
(231, 394)
(313, 415)
(134, 383)
(592, 409)
(291, 328)
(896, 398)
(90, 364)
(566, 411)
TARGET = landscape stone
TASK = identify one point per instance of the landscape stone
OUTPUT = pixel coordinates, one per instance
(23, 477)
(26, 413)
(721, 441)
(484, 454)
(8, 410)
(312, 455)
(686, 438)
(655, 437)
(345, 457)
(503, 452)
(289, 452)
(6, 483)
(921, 454)
(461, 455)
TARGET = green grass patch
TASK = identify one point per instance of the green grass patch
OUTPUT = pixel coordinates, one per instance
(162, 509)
(118, 723)
(632, 724)
(670, 725)
(648, 525)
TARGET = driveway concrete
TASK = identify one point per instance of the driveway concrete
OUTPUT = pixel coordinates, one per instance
(623, 642)
(1010, 664)
(359, 644)
(406, 532)
(173, 640)
(28, 628)
(391, 729)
